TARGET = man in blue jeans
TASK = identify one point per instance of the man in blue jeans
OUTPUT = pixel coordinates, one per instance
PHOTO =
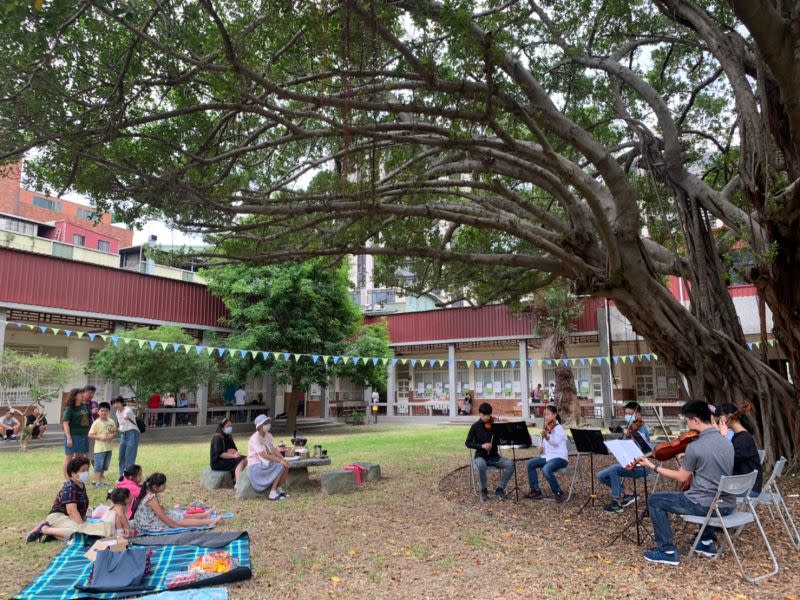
(481, 439)
(612, 476)
(707, 459)
(128, 433)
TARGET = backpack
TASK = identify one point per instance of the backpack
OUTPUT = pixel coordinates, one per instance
(141, 424)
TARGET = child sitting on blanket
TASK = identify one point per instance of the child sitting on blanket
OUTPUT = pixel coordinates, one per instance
(132, 481)
(151, 515)
(117, 513)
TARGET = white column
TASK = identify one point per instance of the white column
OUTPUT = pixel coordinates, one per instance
(391, 388)
(3, 317)
(524, 384)
(201, 401)
(451, 371)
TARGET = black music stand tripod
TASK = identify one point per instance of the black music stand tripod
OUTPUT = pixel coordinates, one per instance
(639, 516)
(589, 441)
(514, 435)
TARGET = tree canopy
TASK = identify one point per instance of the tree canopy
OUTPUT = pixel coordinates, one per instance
(301, 308)
(499, 146)
(148, 370)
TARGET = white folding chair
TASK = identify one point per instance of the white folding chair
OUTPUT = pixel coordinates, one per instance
(736, 485)
(771, 496)
(575, 468)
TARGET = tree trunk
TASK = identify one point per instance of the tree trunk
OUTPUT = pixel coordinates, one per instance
(566, 396)
(291, 407)
(719, 368)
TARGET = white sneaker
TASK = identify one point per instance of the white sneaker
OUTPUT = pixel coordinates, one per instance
(275, 496)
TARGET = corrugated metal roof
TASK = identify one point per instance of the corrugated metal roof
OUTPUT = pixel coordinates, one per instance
(487, 322)
(45, 281)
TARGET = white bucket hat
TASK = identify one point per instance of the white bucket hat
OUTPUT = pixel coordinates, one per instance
(260, 420)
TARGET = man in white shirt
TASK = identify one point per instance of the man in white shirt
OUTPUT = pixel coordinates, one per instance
(239, 396)
(128, 433)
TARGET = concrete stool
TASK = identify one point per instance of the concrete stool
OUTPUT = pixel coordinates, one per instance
(244, 489)
(216, 480)
(373, 471)
(337, 482)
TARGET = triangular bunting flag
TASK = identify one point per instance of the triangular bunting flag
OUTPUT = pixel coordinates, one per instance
(582, 361)
(141, 343)
(253, 354)
(413, 362)
(286, 356)
(42, 328)
(176, 347)
(616, 360)
(375, 361)
(394, 361)
(91, 336)
(356, 359)
(221, 351)
(548, 361)
(314, 358)
(531, 362)
(632, 357)
(103, 337)
(771, 342)
(67, 332)
(478, 363)
(404, 360)
(152, 344)
(469, 363)
(31, 327)
(54, 330)
(187, 347)
(385, 361)
(164, 345)
(265, 355)
(325, 358)
(80, 334)
(336, 359)
(494, 363)
(504, 362)
(243, 353)
(297, 357)
(210, 350)
(198, 349)
(513, 364)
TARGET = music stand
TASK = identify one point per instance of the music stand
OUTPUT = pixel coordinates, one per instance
(639, 516)
(514, 435)
(591, 442)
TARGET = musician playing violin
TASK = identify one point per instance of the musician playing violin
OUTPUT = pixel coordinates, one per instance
(483, 441)
(707, 459)
(554, 456)
(612, 476)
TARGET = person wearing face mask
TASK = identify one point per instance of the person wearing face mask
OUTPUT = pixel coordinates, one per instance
(737, 428)
(224, 454)
(68, 514)
(266, 468)
(612, 476)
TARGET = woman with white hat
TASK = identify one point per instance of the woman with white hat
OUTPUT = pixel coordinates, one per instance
(265, 467)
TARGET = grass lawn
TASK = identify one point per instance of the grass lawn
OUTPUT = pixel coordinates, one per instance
(400, 538)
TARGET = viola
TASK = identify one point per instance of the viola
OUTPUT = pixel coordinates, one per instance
(668, 450)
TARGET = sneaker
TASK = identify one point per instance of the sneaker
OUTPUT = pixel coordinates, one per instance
(275, 496)
(500, 493)
(48, 538)
(534, 495)
(613, 507)
(660, 556)
(484, 495)
(36, 532)
(629, 499)
(98, 484)
(12, 437)
(282, 492)
(709, 550)
(559, 498)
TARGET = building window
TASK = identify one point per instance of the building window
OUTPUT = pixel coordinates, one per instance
(431, 383)
(380, 296)
(17, 226)
(104, 246)
(497, 382)
(361, 271)
(78, 240)
(85, 213)
(42, 202)
(356, 297)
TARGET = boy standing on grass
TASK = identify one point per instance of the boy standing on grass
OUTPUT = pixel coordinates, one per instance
(103, 430)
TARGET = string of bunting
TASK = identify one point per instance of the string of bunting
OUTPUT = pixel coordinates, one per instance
(336, 359)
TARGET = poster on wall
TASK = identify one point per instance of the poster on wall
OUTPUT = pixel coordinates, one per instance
(517, 387)
(498, 387)
(420, 389)
(583, 387)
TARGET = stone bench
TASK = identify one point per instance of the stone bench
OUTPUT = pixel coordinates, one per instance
(297, 477)
(373, 471)
(217, 480)
(338, 482)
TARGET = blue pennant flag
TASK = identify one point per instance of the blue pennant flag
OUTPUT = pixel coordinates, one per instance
(530, 362)
(243, 353)
(92, 336)
(175, 346)
(115, 339)
(67, 332)
(356, 359)
(582, 361)
(18, 324)
(221, 351)
(413, 362)
(749, 345)
(548, 361)
(513, 364)
(42, 328)
(286, 356)
(394, 361)
(315, 358)
(616, 359)
(336, 359)
(153, 344)
(478, 363)
(198, 349)
(494, 363)
(265, 355)
(375, 361)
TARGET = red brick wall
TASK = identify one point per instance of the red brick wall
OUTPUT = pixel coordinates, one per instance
(17, 201)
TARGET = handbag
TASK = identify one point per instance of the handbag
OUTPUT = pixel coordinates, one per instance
(119, 569)
(141, 424)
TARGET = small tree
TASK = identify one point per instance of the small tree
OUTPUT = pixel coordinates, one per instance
(43, 375)
(149, 370)
(556, 308)
(299, 308)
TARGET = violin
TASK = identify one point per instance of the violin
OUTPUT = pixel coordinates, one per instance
(667, 450)
(736, 416)
(488, 424)
(636, 425)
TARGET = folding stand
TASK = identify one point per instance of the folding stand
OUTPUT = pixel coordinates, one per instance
(589, 441)
(638, 519)
(514, 435)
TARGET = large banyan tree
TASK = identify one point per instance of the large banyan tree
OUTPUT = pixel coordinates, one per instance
(487, 148)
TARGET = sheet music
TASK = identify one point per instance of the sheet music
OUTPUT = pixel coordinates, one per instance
(625, 451)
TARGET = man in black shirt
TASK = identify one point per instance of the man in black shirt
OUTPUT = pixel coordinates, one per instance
(481, 439)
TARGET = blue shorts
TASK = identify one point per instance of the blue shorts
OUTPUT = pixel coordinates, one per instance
(80, 445)
(101, 461)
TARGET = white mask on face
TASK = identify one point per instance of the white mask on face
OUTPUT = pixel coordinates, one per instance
(83, 476)
(228, 430)
(267, 427)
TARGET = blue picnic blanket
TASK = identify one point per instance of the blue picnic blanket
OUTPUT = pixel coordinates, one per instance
(70, 567)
